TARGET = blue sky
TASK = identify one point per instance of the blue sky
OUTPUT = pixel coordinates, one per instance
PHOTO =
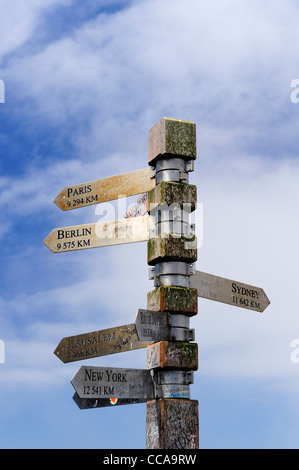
(84, 82)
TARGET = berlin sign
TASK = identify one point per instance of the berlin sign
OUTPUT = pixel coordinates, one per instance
(100, 234)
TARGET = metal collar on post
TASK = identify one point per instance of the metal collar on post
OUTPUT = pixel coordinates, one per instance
(172, 150)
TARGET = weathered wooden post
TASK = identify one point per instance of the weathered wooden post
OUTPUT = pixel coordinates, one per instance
(172, 417)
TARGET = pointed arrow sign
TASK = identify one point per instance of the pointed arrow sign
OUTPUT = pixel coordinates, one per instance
(229, 292)
(176, 386)
(139, 207)
(141, 384)
(161, 326)
(151, 325)
(103, 382)
(89, 403)
(106, 189)
(95, 235)
(99, 343)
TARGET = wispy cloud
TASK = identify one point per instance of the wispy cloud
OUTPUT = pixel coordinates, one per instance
(232, 67)
(19, 20)
(81, 102)
(244, 237)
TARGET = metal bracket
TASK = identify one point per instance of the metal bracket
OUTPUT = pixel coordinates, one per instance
(174, 169)
(172, 273)
(180, 377)
(178, 320)
(152, 172)
(151, 272)
(172, 384)
(182, 334)
(173, 391)
(190, 166)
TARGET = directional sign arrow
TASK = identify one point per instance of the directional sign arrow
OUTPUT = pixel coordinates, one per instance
(99, 343)
(229, 292)
(130, 384)
(151, 325)
(89, 403)
(161, 326)
(103, 382)
(106, 189)
(95, 235)
(139, 207)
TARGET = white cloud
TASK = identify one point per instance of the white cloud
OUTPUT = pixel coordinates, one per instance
(250, 234)
(34, 191)
(226, 65)
(229, 54)
(19, 20)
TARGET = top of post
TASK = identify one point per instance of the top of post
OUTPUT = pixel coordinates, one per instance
(172, 138)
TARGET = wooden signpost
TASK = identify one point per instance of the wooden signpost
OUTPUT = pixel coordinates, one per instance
(91, 403)
(139, 207)
(149, 326)
(95, 235)
(99, 343)
(106, 189)
(163, 328)
(103, 382)
(152, 326)
(229, 292)
(141, 384)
